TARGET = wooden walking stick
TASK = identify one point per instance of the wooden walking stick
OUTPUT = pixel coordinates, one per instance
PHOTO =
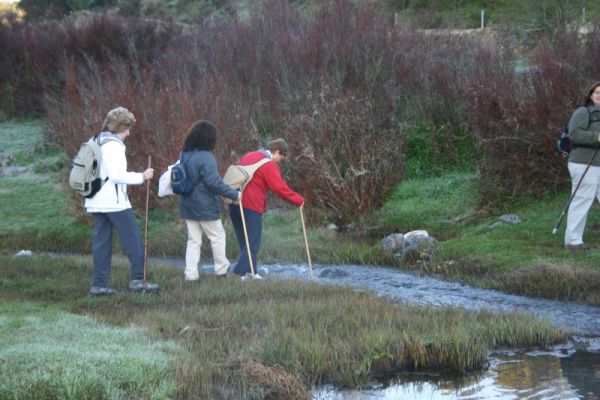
(306, 241)
(146, 224)
(246, 235)
(562, 215)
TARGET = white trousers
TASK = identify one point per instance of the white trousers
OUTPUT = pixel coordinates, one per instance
(583, 200)
(216, 234)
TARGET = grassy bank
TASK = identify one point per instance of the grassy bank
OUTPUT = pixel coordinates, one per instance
(523, 258)
(36, 211)
(224, 338)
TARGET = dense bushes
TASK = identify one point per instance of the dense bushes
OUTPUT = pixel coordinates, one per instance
(33, 57)
(517, 116)
(346, 86)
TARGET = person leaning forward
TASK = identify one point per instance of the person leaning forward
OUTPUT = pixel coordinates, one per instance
(110, 207)
(201, 209)
(584, 132)
(254, 201)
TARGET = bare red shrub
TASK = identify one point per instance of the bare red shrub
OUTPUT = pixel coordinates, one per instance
(33, 56)
(164, 112)
(265, 77)
(347, 158)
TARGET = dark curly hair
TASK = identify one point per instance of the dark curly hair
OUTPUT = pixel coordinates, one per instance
(202, 135)
(588, 98)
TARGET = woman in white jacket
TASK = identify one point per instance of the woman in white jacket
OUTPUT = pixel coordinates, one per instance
(110, 207)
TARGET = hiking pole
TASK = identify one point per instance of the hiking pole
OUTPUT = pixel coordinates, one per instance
(306, 241)
(146, 224)
(246, 235)
(562, 215)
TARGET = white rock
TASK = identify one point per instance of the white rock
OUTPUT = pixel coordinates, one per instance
(417, 233)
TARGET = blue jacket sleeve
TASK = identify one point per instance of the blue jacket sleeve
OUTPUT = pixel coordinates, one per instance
(212, 180)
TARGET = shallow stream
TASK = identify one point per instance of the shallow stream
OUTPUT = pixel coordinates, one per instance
(569, 371)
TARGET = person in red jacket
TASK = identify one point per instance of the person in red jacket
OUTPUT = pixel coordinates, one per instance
(254, 202)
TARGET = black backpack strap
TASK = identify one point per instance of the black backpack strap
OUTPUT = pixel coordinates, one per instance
(96, 137)
(183, 162)
(591, 116)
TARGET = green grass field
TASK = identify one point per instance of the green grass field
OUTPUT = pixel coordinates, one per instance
(48, 353)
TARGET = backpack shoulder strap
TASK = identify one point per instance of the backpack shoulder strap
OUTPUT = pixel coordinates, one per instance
(183, 161)
(252, 168)
(183, 158)
(261, 162)
(591, 116)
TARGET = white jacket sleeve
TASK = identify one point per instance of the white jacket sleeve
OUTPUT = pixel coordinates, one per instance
(113, 158)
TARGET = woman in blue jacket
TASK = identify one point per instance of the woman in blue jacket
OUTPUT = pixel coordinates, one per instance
(201, 209)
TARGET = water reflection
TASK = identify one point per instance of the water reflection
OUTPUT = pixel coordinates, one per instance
(552, 375)
(582, 370)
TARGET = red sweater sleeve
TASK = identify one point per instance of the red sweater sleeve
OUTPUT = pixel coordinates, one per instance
(278, 185)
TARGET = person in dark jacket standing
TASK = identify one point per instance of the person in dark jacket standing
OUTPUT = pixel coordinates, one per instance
(254, 202)
(584, 128)
(201, 209)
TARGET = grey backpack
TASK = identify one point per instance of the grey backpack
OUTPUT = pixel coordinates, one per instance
(85, 167)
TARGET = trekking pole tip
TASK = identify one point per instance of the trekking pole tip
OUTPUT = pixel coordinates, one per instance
(554, 231)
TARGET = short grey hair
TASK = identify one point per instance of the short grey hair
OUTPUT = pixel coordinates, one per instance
(118, 120)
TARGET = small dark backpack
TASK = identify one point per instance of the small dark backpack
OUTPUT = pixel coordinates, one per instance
(180, 180)
(563, 144)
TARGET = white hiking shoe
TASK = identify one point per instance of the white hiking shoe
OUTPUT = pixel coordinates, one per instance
(250, 276)
(191, 278)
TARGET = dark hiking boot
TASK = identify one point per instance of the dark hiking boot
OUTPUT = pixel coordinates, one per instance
(102, 291)
(137, 286)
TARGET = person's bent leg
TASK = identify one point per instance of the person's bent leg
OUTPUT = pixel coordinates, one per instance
(216, 234)
(242, 265)
(129, 233)
(101, 250)
(581, 203)
(254, 227)
(193, 250)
